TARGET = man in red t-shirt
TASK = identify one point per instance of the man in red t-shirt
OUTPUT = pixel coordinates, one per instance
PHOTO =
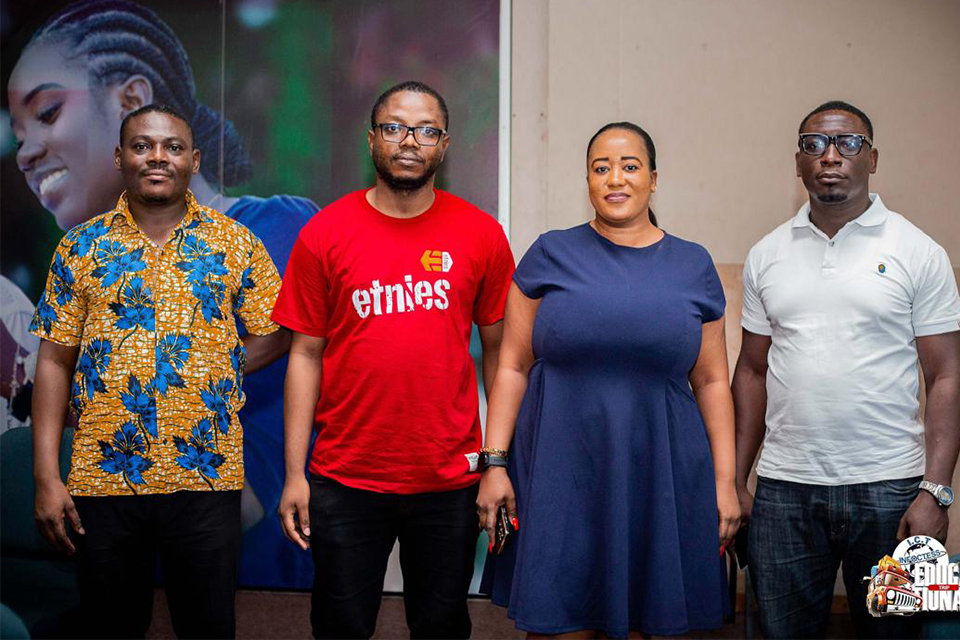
(381, 291)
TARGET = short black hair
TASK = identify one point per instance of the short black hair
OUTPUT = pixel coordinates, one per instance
(154, 108)
(840, 105)
(647, 141)
(416, 87)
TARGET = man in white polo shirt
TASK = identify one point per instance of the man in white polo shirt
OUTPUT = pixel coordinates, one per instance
(839, 306)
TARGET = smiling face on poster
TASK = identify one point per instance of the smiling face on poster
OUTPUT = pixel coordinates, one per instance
(63, 134)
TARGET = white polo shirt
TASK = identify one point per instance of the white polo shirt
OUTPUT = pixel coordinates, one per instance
(843, 314)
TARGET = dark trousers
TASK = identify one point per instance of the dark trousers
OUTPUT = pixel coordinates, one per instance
(800, 534)
(352, 534)
(197, 534)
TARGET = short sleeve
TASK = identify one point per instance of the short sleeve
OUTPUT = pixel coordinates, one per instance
(62, 309)
(715, 303)
(531, 274)
(492, 296)
(753, 316)
(258, 291)
(936, 305)
(302, 304)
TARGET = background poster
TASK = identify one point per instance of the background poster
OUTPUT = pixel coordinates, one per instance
(280, 93)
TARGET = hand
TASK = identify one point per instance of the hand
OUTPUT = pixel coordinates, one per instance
(746, 504)
(924, 517)
(728, 507)
(294, 511)
(52, 506)
(495, 490)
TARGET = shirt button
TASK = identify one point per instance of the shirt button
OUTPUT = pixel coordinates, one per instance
(830, 243)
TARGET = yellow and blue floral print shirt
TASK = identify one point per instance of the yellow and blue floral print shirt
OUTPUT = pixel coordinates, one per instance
(159, 372)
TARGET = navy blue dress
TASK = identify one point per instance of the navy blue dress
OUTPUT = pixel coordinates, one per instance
(610, 460)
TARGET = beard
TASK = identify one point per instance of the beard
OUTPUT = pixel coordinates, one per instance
(832, 198)
(381, 162)
(156, 199)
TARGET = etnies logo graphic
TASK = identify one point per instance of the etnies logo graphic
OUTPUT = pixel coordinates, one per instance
(409, 295)
(401, 298)
(436, 261)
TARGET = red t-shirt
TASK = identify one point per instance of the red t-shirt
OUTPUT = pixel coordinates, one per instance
(395, 299)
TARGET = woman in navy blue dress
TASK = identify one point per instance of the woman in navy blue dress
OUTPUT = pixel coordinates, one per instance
(612, 396)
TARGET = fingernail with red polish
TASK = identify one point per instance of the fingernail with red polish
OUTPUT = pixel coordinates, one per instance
(515, 522)
(491, 546)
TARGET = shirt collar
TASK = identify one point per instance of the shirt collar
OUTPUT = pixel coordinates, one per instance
(876, 214)
(122, 210)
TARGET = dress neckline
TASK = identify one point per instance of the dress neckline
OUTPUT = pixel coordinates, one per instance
(604, 240)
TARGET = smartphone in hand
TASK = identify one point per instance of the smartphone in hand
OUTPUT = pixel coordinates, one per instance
(740, 545)
(502, 531)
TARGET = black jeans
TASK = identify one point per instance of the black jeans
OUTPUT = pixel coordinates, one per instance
(352, 534)
(197, 534)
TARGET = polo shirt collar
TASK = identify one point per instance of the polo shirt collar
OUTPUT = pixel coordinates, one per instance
(876, 214)
(122, 211)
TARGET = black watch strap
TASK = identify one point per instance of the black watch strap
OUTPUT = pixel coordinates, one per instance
(488, 460)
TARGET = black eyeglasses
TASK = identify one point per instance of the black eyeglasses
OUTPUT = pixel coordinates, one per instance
(425, 136)
(847, 144)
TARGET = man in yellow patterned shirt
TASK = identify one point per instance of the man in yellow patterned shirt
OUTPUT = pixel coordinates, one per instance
(138, 321)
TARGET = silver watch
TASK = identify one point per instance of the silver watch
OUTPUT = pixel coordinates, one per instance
(943, 494)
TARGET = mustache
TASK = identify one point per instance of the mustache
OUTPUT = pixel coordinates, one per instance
(407, 156)
(154, 170)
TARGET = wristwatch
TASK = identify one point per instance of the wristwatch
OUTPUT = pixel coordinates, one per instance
(943, 494)
(487, 460)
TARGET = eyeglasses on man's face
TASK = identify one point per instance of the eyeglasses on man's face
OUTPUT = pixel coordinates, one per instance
(425, 136)
(847, 144)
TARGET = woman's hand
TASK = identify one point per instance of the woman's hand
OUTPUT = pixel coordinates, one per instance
(495, 490)
(728, 506)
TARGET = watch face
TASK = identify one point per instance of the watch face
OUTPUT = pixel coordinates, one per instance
(945, 495)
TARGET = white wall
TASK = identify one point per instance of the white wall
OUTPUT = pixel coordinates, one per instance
(722, 86)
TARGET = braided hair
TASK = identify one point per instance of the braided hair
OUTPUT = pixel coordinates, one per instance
(119, 39)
